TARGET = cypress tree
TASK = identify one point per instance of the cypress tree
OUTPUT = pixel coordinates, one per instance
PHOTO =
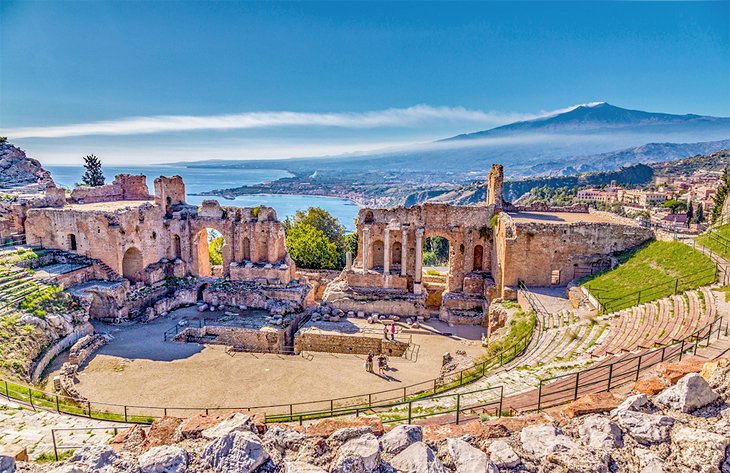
(720, 194)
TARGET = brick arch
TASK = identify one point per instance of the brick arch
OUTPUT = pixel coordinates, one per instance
(200, 264)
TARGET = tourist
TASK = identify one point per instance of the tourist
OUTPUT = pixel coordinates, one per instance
(392, 332)
(382, 364)
(369, 363)
(385, 331)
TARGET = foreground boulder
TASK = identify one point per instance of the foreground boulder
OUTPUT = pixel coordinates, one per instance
(301, 467)
(164, 459)
(468, 459)
(95, 457)
(700, 450)
(365, 447)
(417, 458)
(239, 451)
(600, 432)
(540, 440)
(7, 464)
(502, 455)
(689, 394)
(236, 422)
(647, 429)
(400, 438)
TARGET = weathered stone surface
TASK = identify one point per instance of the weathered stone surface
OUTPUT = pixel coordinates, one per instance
(646, 429)
(348, 463)
(163, 432)
(18, 452)
(700, 450)
(650, 385)
(649, 462)
(673, 372)
(327, 427)
(365, 447)
(540, 440)
(592, 404)
(580, 460)
(236, 422)
(164, 459)
(301, 467)
(341, 436)
(636, 403)
(502, 455)
(69, 468)
(711, 367)
(418, 458)
(193, 427)
(239, 451)
(281, 439)
(468, 459)
(7, 464)
(690, 393)
(600, 432)
(95, 457)
(400, 438)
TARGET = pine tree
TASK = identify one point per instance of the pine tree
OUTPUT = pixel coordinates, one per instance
(93, 176)
(720, 194)
(700, 217)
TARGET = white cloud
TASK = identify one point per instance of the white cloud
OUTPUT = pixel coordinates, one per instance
(393, 117)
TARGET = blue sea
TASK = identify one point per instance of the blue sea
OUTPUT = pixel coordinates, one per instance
(207, 179)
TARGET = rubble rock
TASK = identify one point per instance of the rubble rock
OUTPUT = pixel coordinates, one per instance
(95, 457)
(7, 464)
(301, 467)
(365, 447)
(650, 386)
(193, 427)
(646, 429)
(600, 432)
(468, 459)
(673, 372)
(649, 461)
(700, 450)
(164, 459)
(690, 393)
(592, 404)
(581, 460)
(418, 458)
(711, 367)
(240, 451)
(540, 440)
(236, 422)
(400, 438)
(502, 455)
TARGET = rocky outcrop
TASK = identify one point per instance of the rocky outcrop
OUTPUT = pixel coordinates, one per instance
(17, 170)
(642, 434)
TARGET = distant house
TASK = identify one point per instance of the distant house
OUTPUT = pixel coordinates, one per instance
(675, 220)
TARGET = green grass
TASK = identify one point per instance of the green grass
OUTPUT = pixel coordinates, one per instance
(652, 269)
(717, 240)
(49, 457)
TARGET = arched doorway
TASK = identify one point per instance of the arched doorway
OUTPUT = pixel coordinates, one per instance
(378, 255)
(478, 258)
(436, 254)
(132, 264)
(201, 292)
(175, 247)
(209, 247)
(72, 242)
(396, 253)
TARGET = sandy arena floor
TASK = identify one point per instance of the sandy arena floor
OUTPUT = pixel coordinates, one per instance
(138, 368)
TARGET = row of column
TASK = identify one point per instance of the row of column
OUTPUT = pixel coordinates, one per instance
(387, 253)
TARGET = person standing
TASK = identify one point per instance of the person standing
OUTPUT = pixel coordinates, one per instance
(369, 362)
(392, 331)
(385, 331)
(381, 364)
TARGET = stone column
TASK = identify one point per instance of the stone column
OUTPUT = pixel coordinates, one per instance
(404, 252)
(386, 252)
(365, 248)
(348, 260)
(419, 257)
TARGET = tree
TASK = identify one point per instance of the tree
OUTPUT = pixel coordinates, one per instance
(675, 206)
(215, 251)
(323, 221)
(310, 247)
(351, 242)
(93, 176)
(3, 140)
(720, 194)
(690, 213)
(700, 215)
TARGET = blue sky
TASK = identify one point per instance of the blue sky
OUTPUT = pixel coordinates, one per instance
(356, 76)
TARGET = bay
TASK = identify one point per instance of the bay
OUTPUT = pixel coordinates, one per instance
(200, 179)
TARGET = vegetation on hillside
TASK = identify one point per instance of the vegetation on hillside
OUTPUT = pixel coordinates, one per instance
(712, 162)
(718, 240)
(93, 176)
(657, 269)
(720, 195)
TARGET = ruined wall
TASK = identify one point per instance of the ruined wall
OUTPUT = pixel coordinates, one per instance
(331, 343)
(124, 187)
(544, 254)
(495, 186)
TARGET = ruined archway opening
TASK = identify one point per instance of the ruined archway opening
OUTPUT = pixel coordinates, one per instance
(209, 244)
(132, 265)
(72, 242)
(478, 258)
(175, 247)
(246, 249)
(377, 255)
(201, 292)
(436, 252)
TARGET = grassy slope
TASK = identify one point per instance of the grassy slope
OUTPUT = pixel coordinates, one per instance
(720, 244)
(652, 268)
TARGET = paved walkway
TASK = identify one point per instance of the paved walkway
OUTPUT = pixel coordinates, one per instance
(32, 429)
